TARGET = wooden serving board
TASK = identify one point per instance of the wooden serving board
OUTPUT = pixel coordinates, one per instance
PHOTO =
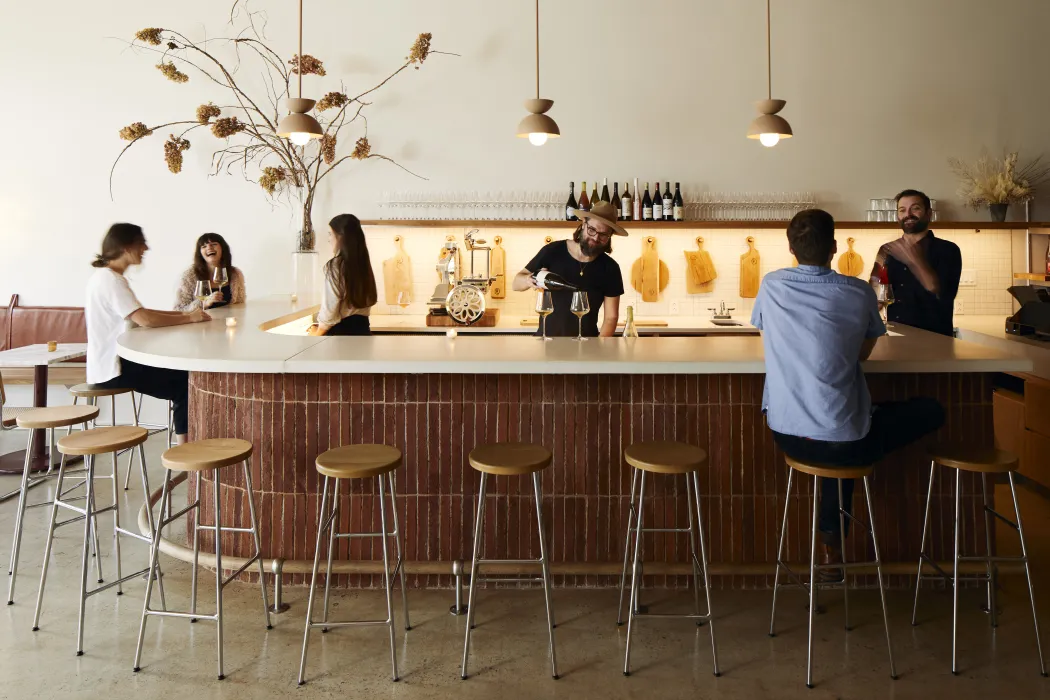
(850, 262)
(750, 270)
(397, 276)
(649, 274)
(700, 270)
(488, 320)
(498, 270)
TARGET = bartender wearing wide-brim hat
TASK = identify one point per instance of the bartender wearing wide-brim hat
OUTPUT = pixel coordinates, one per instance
(583, 261)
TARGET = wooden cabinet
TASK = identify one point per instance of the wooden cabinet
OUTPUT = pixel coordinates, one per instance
(1022, 426)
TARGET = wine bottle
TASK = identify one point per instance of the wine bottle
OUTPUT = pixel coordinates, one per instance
(629, 330)
(605, 190)
(678, 204)
(552, 281)
(668, 202)
(571, 204)
(594, 194)
(615, 201)
(647, 205)
(658, 204)
(636, 203)
(626, 203)
(585, 204)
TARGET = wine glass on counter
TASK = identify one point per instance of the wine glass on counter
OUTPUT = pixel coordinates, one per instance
(884, 295)
(544, 307)
(201, 292)
(580, 307)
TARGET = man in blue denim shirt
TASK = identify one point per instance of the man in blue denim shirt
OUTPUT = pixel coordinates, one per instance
(817, 327)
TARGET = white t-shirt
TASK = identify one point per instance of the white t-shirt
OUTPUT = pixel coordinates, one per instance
(109, 303)
(332, 311)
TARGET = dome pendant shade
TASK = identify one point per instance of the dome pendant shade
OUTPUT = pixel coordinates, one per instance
(537, 126)
(299, 126)
(769, 127)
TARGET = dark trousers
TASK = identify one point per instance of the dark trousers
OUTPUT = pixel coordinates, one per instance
(893, 425)
(352, 325)
(160, 383)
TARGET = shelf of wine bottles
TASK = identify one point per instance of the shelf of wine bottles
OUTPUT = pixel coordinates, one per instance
(688, 224)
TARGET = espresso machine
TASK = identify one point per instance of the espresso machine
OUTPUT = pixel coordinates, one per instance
(1033, 318)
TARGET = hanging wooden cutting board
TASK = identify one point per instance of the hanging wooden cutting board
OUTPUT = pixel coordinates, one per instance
(498, 270)
(397, 276)
(850, 262)
(750, 269)
(649, 274)
(700, 269)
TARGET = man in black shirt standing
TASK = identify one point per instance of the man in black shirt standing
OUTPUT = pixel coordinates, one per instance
(585, 262)
(923, 270)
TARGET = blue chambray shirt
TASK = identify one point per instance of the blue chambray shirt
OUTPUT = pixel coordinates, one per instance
(813, 322)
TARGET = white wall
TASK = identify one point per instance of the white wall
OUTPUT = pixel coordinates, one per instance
(879, 94)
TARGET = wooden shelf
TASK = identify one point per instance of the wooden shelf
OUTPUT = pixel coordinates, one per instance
(1031, 277)
(691, 225)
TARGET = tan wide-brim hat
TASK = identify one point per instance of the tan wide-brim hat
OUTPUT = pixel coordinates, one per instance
(603, 212)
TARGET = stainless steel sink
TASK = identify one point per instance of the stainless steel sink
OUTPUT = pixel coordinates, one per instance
(725, 322)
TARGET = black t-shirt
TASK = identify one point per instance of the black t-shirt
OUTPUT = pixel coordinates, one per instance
(912, 304)
(601, 278)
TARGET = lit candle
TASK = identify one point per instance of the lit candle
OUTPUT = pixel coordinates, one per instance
(451, 333)
(231, 322)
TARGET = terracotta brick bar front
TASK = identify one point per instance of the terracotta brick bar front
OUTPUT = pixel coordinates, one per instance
(586, 420)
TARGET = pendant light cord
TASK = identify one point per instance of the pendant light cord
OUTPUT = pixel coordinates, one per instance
(769, 54)
(300, 71)
(537, 49)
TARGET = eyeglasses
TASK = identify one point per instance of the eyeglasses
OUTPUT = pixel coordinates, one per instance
(601, 235)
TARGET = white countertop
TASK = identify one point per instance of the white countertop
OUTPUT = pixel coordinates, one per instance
(990, 331)
(248, 347)
(37, 355)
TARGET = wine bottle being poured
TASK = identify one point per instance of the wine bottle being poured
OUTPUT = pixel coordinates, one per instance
(551, 281)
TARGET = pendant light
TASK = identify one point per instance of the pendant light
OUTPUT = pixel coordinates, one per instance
(299, 127)
(769, 127)
(538, 126)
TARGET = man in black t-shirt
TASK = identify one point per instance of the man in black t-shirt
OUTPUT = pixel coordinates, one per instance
(585, 262)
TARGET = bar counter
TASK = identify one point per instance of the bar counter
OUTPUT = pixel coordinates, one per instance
(435, 398)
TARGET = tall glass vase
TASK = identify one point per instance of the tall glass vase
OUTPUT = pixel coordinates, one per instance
(306, 263)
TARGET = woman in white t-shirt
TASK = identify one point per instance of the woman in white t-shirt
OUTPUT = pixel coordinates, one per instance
(110, 305)
(349, 285)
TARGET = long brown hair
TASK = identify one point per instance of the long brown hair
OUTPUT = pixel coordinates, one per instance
(351, 269)
(119, 238)
(200, 265)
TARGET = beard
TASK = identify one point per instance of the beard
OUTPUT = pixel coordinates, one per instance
(589, 248)
(913, 224)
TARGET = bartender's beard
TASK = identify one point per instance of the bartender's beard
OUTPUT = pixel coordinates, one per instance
(913, 224)
(587, 247)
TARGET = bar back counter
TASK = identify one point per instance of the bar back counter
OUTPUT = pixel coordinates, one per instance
(435, 398)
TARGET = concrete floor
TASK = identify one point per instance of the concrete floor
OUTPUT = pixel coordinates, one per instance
(671, 659)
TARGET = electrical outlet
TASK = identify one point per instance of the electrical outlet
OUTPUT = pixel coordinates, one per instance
(968, 278)
(674, 308)
(958, 306)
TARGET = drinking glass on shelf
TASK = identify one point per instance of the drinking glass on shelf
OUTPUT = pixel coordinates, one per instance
(580, 307)
(544, 307)
(220, 278)
(201, 292)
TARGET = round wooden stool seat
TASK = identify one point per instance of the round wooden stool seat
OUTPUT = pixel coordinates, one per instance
(358, 461)
(827, 472)
(510, 458)
(203, 455)
(987, 460)
(90, 391)
(665, 457)
(57, 416)
(102, 440)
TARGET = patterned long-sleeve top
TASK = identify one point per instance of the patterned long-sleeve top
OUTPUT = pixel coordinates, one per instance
(184, 300)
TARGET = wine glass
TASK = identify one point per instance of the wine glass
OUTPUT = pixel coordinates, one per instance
(201, 292)
(544, 307)
(884, 295)
(220, 278)
(580, 307)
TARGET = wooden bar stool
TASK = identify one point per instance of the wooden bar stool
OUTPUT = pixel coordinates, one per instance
(819, 472)
(509, 459)
(46, 419)
(89, 444)
(336, 465)
(197, 457)
(983, 461)
(675, 459)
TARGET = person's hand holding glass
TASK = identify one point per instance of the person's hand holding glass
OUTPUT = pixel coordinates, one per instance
(581, 306)
(544, 307)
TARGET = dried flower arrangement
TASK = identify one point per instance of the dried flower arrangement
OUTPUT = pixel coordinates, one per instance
(284, 169)
(998, 180)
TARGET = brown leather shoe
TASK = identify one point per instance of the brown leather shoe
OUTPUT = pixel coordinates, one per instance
(830, 554)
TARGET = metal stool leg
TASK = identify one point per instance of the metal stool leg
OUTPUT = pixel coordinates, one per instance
(636, 563)
(878, 571)
(922, 547)
(692, 546)
(627, 546)
(331, 549)
(707, 576)
(842, 547)
(258, 542)
(479, 526)
(780, 554)
(49, 542)
(992, 593)
(89, 508)
(135, 408)
(322, 518)
(151, 520)
(397, 544)
(152, 574)
(812, 581)
(1028, 575)
(218, 568)
(955, 572)
(545, 566)
(23, 494)
(196, 544)
(388, 583)
(116, 498)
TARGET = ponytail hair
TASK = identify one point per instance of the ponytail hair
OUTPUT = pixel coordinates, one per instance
(119, 238)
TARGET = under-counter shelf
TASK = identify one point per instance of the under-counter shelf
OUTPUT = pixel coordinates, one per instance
(688, 225)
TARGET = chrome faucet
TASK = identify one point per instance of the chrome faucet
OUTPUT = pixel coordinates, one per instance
(723, 312)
